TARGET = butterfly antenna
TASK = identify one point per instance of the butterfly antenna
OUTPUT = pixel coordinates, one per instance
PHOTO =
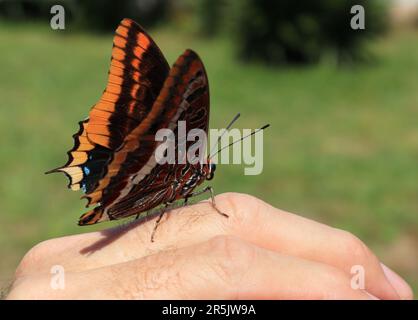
(248, 135)
(223, 133)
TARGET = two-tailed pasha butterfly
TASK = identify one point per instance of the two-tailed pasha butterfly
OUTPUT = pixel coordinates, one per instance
(113, 158)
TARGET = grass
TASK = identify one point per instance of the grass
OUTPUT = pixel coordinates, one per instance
(342, 147)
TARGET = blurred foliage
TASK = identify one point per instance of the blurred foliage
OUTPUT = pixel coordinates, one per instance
(25, 10)
(273, 32)
(210, 15)
(293, 32)
(98, 15)
(147, 12)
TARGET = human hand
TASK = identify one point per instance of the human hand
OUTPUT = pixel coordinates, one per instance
(259, 252)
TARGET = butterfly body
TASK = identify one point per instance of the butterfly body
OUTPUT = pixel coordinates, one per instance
(158, 188)
(114, 160)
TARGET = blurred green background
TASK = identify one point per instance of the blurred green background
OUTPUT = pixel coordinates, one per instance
(343, 107)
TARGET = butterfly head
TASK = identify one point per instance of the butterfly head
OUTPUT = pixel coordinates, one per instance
(211, 167)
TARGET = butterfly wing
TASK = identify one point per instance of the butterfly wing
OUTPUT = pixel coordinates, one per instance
(137, 73)
(141, 183)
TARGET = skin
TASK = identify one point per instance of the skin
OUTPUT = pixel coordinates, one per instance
(259, 252)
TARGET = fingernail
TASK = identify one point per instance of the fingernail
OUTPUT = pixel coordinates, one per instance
(402, 288)
(372, 297)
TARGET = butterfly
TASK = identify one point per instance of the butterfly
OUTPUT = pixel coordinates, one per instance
(113, 158)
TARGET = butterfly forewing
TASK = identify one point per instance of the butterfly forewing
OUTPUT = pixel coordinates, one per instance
(137, 72)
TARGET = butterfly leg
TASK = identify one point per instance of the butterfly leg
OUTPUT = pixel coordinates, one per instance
(157, 222)
(212, 196)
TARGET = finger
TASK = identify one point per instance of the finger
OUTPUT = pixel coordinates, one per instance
(221, 268)
(250, 219)
(403, 289)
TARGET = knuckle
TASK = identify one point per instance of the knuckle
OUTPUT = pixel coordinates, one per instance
(32, 258)
(354, 247)
(242, 207)
(232, 258)
(238, 200)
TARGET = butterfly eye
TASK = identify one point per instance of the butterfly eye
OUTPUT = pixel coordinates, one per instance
(212, 168)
